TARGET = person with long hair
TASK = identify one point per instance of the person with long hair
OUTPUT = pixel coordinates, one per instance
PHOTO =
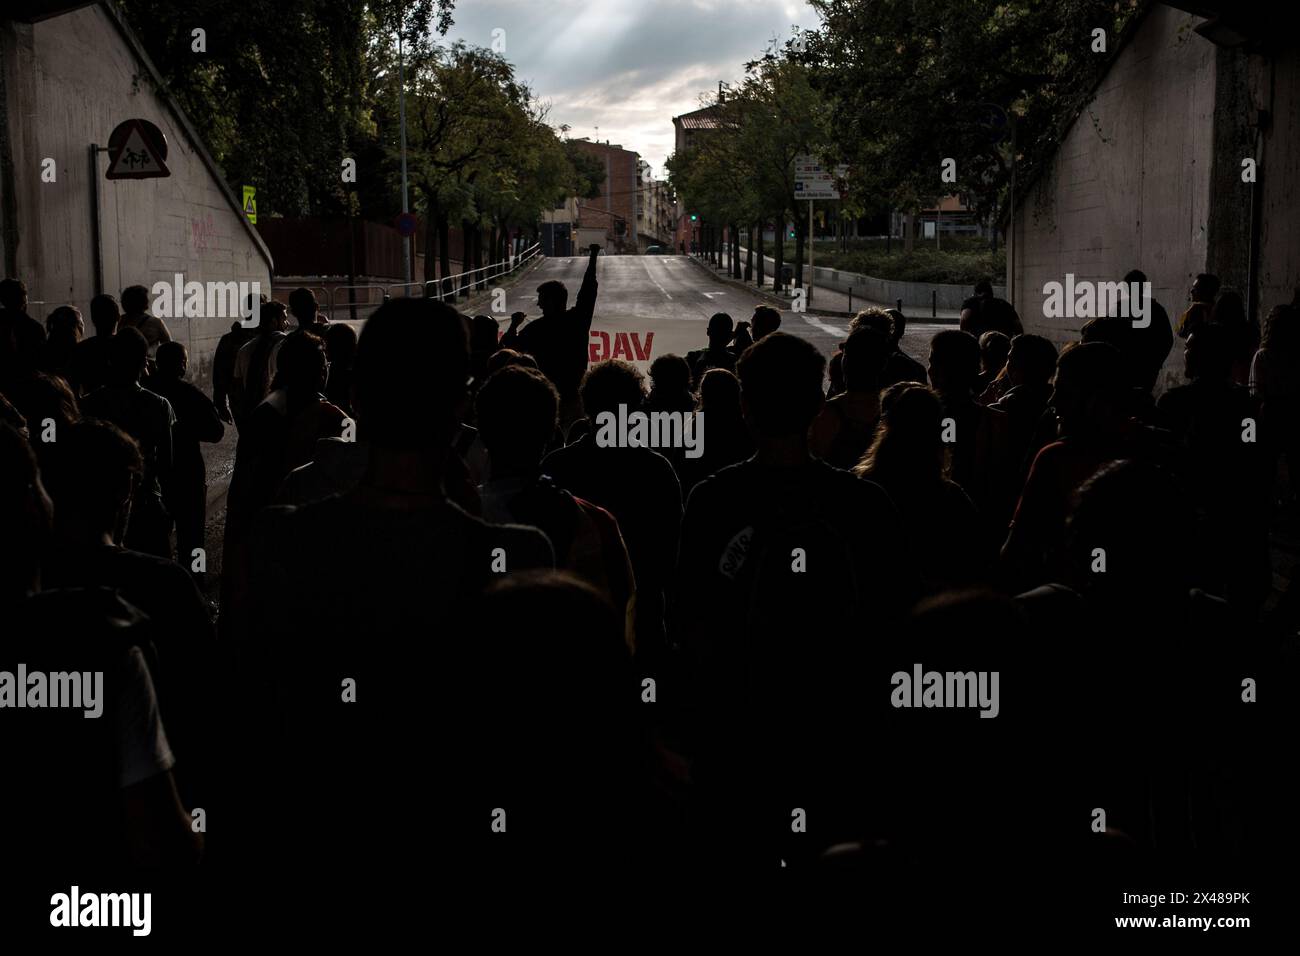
(910, 460)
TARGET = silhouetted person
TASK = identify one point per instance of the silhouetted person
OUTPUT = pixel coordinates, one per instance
(93, 471)
(148, 418)
(843, 429)
(21, 336)
(64, 329)
(136, 315)
(979, 435)
(225, 357)
(484, 340)
(560, 339)
(784, 562)
(637, 485)
(909, 459)
(368, 590)
(1090, 396)
(743, 340)
(726, 436)
(764, 321)
(256, 361)
(994, 348)
(1204, 290)
(985, 312)
(278, 436)
(88, 368)
(341, 350)
(1156, 339)
(1229, 312)
(1275, 384)
(47, 405)
(716, 355)
(306, 311)
(113, 774)
(196, 421)
(1222, 472)
(1026, 387)
(517, 413)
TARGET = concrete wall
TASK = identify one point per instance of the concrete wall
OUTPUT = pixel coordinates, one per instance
(1279, 165)
(1130, 185)
(69, 80)
(915, 295)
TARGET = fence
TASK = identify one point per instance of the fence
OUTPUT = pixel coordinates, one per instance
(355, 303)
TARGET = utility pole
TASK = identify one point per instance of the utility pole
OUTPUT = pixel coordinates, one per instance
(810, 252)
(401, 99)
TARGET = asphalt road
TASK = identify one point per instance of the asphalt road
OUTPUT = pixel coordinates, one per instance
(649, 306)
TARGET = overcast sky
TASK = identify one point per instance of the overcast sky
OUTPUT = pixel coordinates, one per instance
(626, 66)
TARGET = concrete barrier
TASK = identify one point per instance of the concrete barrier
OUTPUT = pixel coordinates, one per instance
(915, 295)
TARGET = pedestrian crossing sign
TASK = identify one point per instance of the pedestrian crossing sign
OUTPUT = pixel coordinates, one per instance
(250, 203)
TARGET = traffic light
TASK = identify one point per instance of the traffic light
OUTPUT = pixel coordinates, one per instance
(694, 217)
(791, 233)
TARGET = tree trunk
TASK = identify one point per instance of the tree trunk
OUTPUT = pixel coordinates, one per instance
(479, 281)
(778, 253)
(735, 251)
(759, 248)
(465, 239)
(431, 240)
(749, 253)
(444, 252)
(908, 229)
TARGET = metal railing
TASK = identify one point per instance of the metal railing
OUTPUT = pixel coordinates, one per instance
(358, 301)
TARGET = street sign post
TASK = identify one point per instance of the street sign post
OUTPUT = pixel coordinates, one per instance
(137, 149)
(812, 180)
(407, 223)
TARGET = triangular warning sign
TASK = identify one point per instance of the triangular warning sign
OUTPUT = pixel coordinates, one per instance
(250, 205)
(137, 158)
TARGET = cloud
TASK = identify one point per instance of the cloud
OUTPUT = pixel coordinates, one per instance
(626, 66)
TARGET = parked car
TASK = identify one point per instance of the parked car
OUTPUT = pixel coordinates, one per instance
(656, 251)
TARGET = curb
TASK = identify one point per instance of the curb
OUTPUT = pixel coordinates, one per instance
(771, 297)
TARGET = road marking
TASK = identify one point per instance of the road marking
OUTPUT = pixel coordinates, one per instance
(817, 323)
(656, 282)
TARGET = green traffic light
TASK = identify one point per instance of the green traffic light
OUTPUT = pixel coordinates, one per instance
(693, 217)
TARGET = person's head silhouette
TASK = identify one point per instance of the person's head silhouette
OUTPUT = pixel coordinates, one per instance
(781, 386)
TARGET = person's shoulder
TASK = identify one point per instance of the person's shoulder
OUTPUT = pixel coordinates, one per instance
(525, 545)
(1050, 455)
(722, 484)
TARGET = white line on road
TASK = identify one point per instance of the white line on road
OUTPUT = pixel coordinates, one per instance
(656, 282)
(817, 323)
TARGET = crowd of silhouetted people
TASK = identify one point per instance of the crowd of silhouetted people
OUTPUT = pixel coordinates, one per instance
(453, 623)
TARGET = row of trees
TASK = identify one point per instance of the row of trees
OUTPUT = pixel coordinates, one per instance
(892, 89)
(283, 91)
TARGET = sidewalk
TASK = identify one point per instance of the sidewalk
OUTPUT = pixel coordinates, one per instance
(823, 301)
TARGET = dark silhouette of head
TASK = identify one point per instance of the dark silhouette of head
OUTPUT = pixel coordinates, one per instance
(994, 349)
(25, 514)
(411, 375)
(503, 357)
(954, 364)
(781, 385)
(92, 474)
(517, 409)
(301, 366)
(41, 398)
(984, 288)
(104, 315)
(720, 393)
(1282, 329)
(13, 295)
(303, 305)
(272, 317)
(764, 321)
(878, 319)
(1204, 288)
(720, 330)
(484, 335)
(743, 337)
(1229, 308)
(865, 353)
(340, 345)
(127, 353)
(1090, 390)
(908, 445)
(1138, 516)
(172, 360)
(670, 380)
(1135, 275)
(609, 384)
(552, 297)
(64, 324)
(1208, 353)
(900, 325)
(135, 299)
(1031, 360)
